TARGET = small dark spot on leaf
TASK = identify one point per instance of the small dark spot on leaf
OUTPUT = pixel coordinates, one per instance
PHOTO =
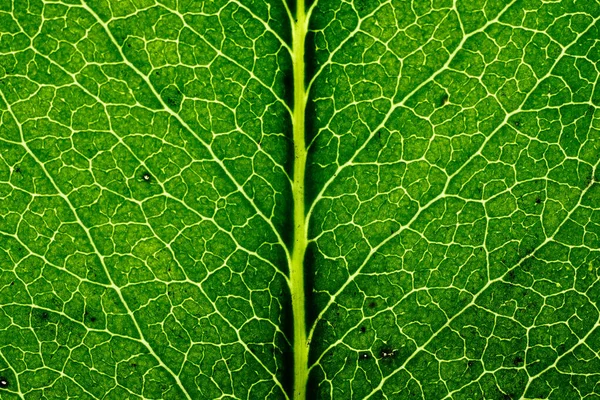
(517, 123)
(470, 364)
(538, 200)
(372, 304)
(3, 382)
(511, 275)
(134, 365)
(18, 170)
(93, 319)
(44, 315)
(443, 100)
(12, 283)
(172, 96)
(363, 329)
(517, 361)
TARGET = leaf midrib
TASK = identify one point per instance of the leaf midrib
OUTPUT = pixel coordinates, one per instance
(297, 288)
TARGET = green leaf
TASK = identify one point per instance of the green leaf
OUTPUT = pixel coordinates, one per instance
(247, 199)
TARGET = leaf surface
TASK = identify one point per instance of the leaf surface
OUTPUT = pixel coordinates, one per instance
(246, 199)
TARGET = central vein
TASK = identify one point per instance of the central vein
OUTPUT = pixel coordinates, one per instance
(297, 267)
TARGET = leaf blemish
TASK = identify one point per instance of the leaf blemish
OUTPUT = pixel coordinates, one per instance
(517, 361)
(3, 382)
(387, 352)
(444, 100)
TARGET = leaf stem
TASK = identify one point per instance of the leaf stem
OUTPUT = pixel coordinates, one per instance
(297, 268)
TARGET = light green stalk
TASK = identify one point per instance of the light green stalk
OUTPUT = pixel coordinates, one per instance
(297, 267)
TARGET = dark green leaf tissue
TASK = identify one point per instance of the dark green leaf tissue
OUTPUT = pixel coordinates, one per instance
(299, 199)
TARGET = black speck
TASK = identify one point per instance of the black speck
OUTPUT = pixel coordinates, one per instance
(134, 365)
(363, 329)
(470, 364)
(18, 170)
(372, 304)
(538, 200)
(443, 100)
(12, 283)
(517, 361)
(93, 319)
(511, 275)
(44, 315)
(3, 382)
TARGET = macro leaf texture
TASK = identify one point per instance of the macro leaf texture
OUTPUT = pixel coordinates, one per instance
(279, 199)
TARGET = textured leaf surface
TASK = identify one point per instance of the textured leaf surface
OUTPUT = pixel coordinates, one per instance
(149, 176)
